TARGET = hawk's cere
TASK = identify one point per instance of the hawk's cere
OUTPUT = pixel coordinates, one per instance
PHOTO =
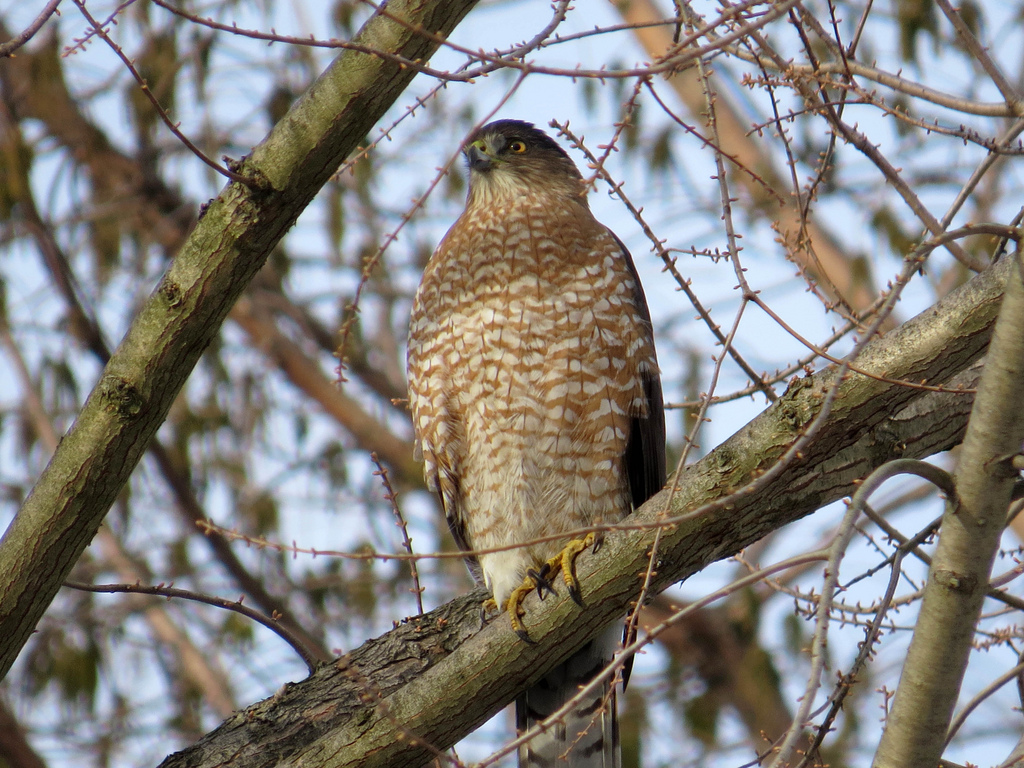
(536, 399)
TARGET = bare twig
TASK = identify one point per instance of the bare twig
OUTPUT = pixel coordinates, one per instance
(390, 497)
(8, 48)
(100, 30)
(270, 622)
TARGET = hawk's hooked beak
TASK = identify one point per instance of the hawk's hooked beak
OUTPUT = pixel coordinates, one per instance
(479, 159)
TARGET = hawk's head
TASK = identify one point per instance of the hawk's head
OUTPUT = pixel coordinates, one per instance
(512, 158)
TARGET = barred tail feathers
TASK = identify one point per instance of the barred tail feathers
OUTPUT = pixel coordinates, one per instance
(588, 735)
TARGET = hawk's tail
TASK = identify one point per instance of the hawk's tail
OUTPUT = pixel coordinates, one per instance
(588, 735)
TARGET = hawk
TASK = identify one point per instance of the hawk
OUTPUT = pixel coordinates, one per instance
(536, 401)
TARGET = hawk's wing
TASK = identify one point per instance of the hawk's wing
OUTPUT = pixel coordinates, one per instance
(645, 449)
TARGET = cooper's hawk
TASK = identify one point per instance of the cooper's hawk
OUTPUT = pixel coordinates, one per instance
(536, 400)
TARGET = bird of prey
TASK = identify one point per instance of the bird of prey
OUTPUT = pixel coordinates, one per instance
(536, 401)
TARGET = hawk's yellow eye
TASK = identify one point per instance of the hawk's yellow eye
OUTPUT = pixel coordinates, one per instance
(516, 147)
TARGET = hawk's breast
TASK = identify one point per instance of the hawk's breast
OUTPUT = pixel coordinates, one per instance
(525, 360)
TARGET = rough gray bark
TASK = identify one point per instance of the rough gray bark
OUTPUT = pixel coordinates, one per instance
(971, 528)
(430, 682)
(227, 247)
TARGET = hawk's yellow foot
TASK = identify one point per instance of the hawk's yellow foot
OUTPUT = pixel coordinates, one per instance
(564, 561)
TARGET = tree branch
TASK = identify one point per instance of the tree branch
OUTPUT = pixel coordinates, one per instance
(15, 749)
(7, 49)
(201, 670)
(84, 326)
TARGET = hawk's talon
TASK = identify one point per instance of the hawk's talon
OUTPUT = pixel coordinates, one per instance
(541, 580)
(575, 593)
(487, 608)
(523, 635)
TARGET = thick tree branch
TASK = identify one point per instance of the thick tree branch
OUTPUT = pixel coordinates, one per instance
(84, 326)
(200, 670)
(435, 679)
(30, 88)
(227, 247)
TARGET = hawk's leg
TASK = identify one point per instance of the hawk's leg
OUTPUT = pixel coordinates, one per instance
(564, 561)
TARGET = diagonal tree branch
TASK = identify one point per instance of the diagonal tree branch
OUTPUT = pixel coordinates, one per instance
(31, 90)
(87, 330)
(226, 248)
(197, 668)
(431, 681)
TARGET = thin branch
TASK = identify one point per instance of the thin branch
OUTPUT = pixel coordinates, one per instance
(836, 552)
(961, 717)
(858, 504)
(912, 545)
(980, 54)
(389, 495)
(659, 247)
(7, 49)
(100, 30)
(309, 657)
